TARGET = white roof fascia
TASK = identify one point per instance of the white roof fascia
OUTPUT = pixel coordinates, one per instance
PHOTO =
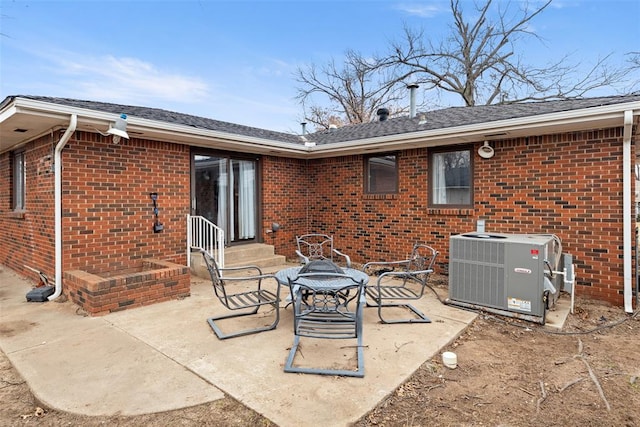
(9, 111)
(142, 125)
(203, 137)
(135, 124)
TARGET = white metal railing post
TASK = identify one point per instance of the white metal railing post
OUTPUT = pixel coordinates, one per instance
(189, 240)
(221, 248)
(205, 235)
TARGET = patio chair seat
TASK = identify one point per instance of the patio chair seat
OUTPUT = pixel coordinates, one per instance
(254, 298)
(399, 281)
(326, 313)
(391, 292)
(244, 302)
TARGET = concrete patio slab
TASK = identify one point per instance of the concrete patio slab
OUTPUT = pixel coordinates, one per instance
(165, 356)
(87, 366)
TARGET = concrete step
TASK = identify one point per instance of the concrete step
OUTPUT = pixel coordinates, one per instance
(242, 254)
(252, 254)
(272, 261)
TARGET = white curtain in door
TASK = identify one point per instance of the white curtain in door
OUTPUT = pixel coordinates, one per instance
(246, 200)
(223, 193)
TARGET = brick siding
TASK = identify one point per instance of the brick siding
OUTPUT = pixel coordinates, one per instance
(28, 238)
(106, 208)
(567, 184)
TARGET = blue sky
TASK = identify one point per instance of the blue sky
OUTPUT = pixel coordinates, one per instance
(234, 60)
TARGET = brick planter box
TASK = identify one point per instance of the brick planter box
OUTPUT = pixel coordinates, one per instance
(149, 282)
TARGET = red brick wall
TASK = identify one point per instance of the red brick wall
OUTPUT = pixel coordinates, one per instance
(287, 185)
(27, 238)
(569, 185)
(106, 209)
(566, 184)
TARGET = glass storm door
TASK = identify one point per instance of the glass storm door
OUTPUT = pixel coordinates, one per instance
(225, 193)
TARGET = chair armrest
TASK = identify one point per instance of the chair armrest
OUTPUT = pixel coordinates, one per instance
(303, 259)
(403, 274)
(248, 278)
(258, 281)
(347, 258)
(385, 263)
(242, 268)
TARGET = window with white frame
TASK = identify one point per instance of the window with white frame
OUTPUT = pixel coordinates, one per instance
(451, 178)
(18, 178)
(381, 174)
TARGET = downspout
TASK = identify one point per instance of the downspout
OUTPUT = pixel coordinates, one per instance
(626, 208)
(58, 202)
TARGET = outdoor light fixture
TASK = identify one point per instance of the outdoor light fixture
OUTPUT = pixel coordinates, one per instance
(118, 129)
(486, 151)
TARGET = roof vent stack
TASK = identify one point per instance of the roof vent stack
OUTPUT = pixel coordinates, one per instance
(383, 114)
(304, 128)
(412, 99)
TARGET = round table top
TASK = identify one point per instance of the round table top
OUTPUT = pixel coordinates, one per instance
(283, 276)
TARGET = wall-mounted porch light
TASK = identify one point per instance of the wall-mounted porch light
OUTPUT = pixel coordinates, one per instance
(118, 129)
(486, 151)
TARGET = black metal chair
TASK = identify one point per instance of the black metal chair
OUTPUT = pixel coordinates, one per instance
(317, 246)
(322, 311)
(401, 280)
(249, 300)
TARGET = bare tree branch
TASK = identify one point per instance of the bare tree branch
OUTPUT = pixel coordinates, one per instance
(354, 91)
(476, 60)
(633, 69)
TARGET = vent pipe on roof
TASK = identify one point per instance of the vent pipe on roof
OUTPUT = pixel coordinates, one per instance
(304, 128)
(383, 114)
(412, 99)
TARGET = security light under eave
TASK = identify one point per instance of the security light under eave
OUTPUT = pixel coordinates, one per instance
(486, 151)
(119, 129)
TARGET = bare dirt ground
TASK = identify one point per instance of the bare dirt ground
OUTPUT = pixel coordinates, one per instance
(510, 373)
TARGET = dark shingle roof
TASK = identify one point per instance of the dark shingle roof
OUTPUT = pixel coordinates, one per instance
(437, 119)
(160, 115)
(460, 116)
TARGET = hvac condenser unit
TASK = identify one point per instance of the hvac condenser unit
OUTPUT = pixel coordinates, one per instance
(517, 275)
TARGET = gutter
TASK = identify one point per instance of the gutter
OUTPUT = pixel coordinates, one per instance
(161, 130)
(626, 208)
(601, 116)
(73, 122)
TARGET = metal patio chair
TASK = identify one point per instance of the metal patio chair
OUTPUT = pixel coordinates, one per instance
(248, 297)
(317, 246)
(401, 280)
(321, 311)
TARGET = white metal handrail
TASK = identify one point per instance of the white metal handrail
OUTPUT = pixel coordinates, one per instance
(204, 235)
